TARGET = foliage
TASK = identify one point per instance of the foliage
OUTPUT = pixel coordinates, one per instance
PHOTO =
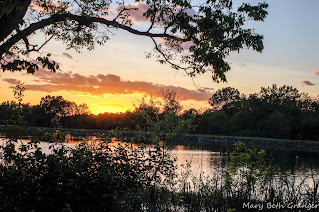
(251, 163)
(107, 175)
(87, 177)
(211, 29)
(100, 175)
(224, 96)
(274, 112)
(249, 183)
(57, 107)
(95, 175)
(163, 122)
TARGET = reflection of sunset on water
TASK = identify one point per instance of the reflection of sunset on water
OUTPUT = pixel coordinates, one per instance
(94, 140)
(203, 160)
(179, 147)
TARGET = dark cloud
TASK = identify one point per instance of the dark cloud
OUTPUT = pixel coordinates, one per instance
(11, 81)
(206, 89)
(316, 72)
(306, 82)
(104, 84)
(67, 55)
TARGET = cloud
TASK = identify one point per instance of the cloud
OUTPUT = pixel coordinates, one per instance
(207, 89)
(105, 84)
(11, 81)
(67, 55)
(243, 64)
(316, 72)
(137, 10)
(184, 45)
(306, 82)
(52, 6)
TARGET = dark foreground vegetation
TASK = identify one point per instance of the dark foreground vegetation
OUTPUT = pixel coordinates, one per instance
(101, 175)
(274, 112)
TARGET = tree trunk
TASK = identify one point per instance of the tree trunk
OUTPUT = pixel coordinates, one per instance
(11, 21)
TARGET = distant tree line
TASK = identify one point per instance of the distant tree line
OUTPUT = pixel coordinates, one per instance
(49, 113)
(274, 112)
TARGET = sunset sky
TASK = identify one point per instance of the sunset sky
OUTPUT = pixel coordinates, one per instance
(114, 76)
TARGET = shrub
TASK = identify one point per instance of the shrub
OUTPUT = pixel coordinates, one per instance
(85, 177)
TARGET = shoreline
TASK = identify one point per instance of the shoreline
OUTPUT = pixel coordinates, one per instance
(188, 138)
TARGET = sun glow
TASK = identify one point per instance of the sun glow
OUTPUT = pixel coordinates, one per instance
(108, 108)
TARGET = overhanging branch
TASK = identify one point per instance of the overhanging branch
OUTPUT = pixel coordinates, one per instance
(167, 60)
(82, 20)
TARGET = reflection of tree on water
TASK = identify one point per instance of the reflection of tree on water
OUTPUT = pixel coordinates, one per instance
(203, 162)
(210, 159)
(295, 161)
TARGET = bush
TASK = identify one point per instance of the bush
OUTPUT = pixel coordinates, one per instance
(84, 177)
(106, 176)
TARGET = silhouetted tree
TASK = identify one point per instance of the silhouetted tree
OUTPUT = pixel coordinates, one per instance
(224, 96)
(212, 29)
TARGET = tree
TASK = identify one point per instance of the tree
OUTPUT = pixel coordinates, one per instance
(275, 96)
(277, 125)
(163, 121)
(211, 30)
(57, 107)
(223, 97)
(218, 123)
(54, 106)
(7, 111)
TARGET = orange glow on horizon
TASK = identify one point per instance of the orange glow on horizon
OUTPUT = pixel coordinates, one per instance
(97, 104)
(96, 109)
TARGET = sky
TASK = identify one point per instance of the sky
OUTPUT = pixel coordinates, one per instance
(114, 77)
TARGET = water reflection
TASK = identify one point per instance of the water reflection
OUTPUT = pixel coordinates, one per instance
(213, 157)
(209, 158)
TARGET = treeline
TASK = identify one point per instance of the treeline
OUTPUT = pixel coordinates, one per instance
(49, 113)
(274, 112)
(161, 119)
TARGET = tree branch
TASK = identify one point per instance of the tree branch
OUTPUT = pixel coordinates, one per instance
(175, 66)
(44, 43)
(153, 18)
(121, 12)
(82, 20)
(34, 49)
(27, 44)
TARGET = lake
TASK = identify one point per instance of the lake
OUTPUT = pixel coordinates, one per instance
(210, 157)
(213, 157)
